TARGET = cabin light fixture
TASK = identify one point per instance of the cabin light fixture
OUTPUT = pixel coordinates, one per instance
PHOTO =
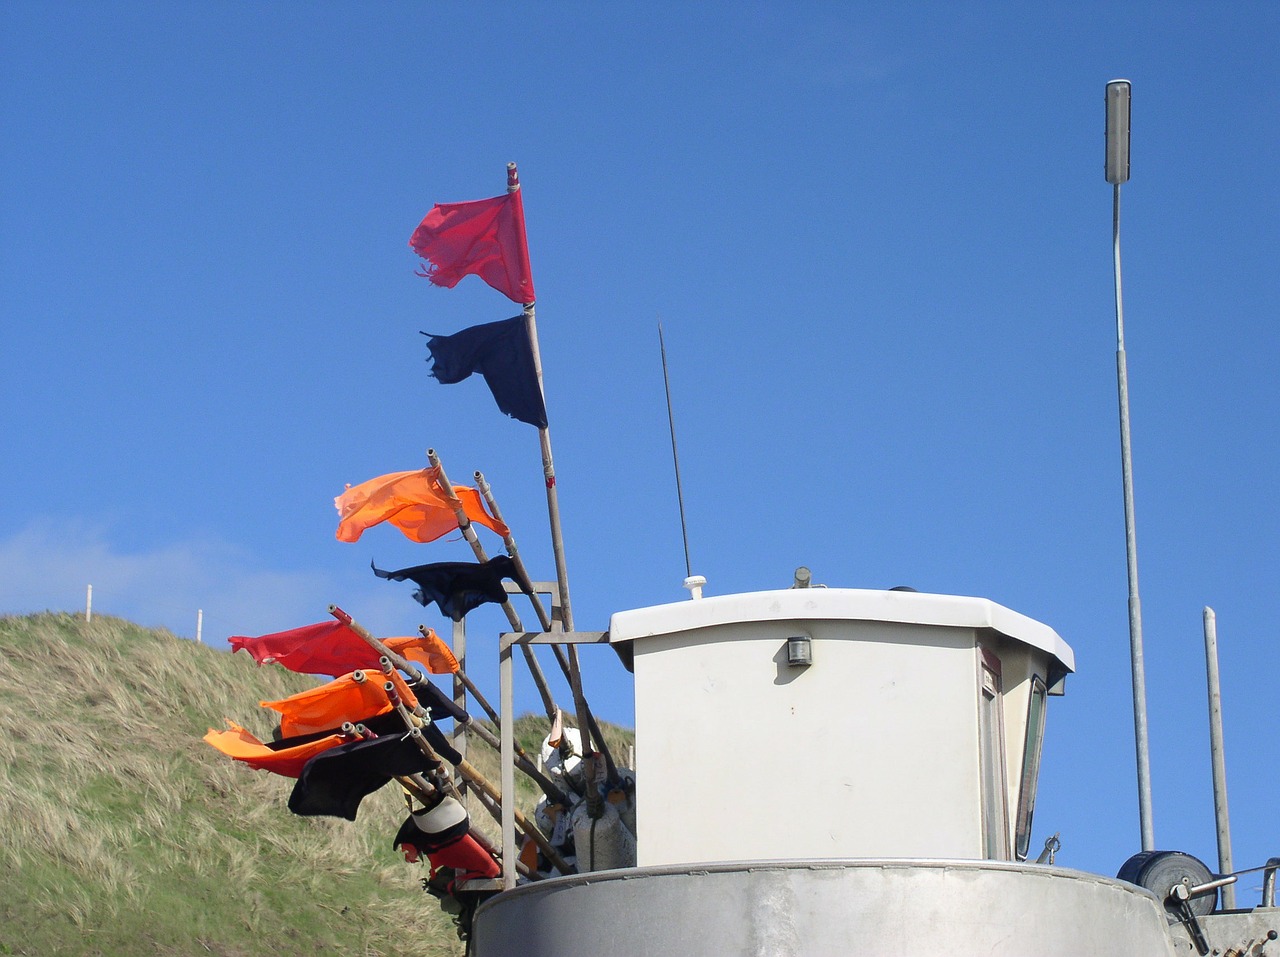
(800, 651)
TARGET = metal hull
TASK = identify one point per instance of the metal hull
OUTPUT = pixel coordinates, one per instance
(825, 908)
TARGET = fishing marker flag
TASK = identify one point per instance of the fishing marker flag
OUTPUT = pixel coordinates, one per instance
(331, 648)
(457, 587)
(286, 757)
(482, 238)
(501, 353)
(335, 781)
(326, 707)
(413, 502)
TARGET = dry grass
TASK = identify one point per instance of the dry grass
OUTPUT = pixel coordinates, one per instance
(121, 832)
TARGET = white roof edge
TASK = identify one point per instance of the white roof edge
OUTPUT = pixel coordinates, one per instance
(855, 604)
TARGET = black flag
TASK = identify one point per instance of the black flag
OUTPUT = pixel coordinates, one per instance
(501, 352)
(336, 785)
(457, 587)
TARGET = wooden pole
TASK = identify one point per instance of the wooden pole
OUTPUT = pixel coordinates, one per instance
(544, 440)
(553, 512)
(586, 720)
(419, 717)
(526, 582)
(473, 775)
(411, 669)
(469, 533)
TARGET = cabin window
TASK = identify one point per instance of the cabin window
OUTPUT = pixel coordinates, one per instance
(995, 809)
(1030, 766)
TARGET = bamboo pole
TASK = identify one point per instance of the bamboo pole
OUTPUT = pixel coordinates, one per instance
(469, 533)
(586, 720)
(526, 582)
(522, 821)
(553, 495)
(544, 434)
(523, 761)
(471, 773)
(488, 737)
(459, 690)
(415, 784)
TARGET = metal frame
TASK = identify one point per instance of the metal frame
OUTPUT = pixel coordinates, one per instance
(507, 641)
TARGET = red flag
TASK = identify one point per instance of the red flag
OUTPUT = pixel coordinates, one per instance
(331, 648)
(482, 238)
(413, 502)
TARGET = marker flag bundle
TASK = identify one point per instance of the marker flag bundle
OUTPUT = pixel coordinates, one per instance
(457, 587)
(413, 502)
(502, 354)
(484, 238)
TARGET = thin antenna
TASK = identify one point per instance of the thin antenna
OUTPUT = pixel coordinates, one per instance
(1116, 168)
(675, 456)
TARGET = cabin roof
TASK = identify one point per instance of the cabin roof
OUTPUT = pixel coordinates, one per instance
(836, 604)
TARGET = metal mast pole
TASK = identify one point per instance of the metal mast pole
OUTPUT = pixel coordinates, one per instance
(1221, 815)
(1117, 170)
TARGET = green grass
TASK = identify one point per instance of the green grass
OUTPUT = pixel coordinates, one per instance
(121, 832)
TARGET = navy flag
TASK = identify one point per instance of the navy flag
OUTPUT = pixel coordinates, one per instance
(502, 354)
(457, 587)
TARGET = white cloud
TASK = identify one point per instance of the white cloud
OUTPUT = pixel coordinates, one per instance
(48, 566)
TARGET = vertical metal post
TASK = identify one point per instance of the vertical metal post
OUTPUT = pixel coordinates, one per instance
(88, 604)
(1117, 172)
(460, 694)
(199, 625)
(510, 852)
(1220, 812)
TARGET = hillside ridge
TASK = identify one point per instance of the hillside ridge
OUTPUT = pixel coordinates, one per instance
(121, 832)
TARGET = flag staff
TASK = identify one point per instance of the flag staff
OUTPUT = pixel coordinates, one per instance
(549, 475)
(469, 533)
(544, 436)
(582, 709)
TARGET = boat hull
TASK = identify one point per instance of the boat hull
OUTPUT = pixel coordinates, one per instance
(824, 908)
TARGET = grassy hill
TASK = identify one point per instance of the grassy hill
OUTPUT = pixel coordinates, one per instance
(121, 832)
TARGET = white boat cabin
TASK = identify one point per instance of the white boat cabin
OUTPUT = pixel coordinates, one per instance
(837, 723)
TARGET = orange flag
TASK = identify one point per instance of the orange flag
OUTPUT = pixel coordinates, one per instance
(327, 706)
(243, 746)
(413, 502)
(427, 650)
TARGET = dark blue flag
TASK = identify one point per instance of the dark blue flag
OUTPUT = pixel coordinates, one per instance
(502, 354)
(457, 587)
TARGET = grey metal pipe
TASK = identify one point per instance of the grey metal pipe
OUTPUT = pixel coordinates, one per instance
(1221, 814)
(1141, 739)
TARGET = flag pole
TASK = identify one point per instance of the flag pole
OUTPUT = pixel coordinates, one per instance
(553, 498)
(464, 523)
(544, 438)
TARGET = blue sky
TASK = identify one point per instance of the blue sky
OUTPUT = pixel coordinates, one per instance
(879, 240)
